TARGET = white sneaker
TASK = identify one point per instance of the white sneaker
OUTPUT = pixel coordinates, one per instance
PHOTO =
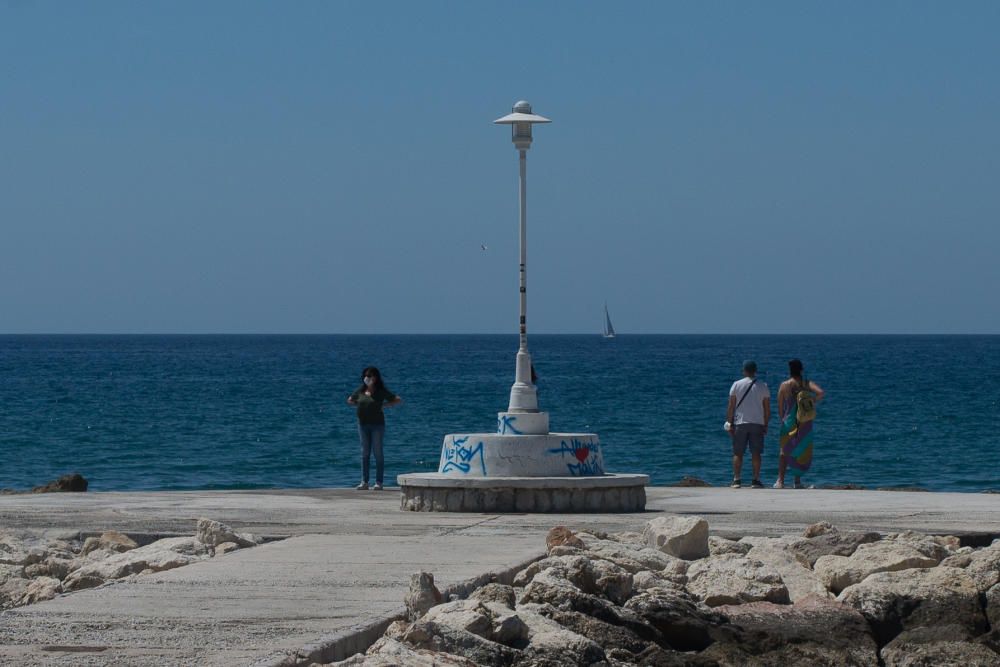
(378, 487)
(779, 485)
(363, 486)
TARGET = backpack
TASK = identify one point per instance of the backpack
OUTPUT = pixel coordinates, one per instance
(805, 402)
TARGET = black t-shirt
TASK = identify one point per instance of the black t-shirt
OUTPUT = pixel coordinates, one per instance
(370, 407)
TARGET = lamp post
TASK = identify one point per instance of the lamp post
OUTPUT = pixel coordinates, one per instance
(523, 397)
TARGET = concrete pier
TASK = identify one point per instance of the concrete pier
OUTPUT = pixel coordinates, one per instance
(341, 575)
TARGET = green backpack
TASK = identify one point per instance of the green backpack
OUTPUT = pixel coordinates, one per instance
(805, 402)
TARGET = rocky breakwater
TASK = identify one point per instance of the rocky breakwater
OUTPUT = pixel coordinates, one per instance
(34, 568)
(675, 595)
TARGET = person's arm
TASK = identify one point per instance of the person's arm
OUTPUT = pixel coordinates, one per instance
(782, 392)
(730, 410)
(395, 400)
(817, 390)
(767, 411)
(351, 400)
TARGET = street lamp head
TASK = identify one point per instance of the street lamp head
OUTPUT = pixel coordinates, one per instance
(520, 120)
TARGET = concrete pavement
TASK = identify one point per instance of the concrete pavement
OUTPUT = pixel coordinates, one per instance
(345, 567)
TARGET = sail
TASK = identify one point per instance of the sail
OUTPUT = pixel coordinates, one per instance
(609, 330)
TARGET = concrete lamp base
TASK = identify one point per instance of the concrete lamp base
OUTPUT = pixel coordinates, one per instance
(437, 492)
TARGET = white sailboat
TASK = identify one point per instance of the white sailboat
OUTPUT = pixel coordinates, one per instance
(609, 330)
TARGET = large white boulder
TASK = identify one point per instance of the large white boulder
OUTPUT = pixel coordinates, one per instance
(735, 579)
(798, 578)
(839, 572)
(681, 536)
(905, 599)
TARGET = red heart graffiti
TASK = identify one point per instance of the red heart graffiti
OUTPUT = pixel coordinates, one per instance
(582, 453)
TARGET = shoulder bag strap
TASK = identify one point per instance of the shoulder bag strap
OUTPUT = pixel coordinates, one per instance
(745, 395)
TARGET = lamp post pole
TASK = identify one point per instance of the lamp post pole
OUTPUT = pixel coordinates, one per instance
(523, 397)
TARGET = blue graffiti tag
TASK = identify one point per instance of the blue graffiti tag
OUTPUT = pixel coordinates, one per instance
(585, 453)
(505, 425)
(459, 457)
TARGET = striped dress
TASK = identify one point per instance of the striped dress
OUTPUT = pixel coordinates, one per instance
(796, 438)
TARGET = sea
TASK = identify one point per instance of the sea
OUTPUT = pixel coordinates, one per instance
(159, 412)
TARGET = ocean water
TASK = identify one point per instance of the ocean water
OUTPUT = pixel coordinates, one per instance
(241, 412)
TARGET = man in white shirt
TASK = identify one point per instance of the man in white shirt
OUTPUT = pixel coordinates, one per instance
(747, 416)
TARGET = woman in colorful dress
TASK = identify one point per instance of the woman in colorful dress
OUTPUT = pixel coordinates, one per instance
(796, 398)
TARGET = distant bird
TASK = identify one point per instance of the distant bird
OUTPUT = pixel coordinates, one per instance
(482, 246)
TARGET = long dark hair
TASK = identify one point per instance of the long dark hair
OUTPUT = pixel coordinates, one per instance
(374, 372)
(795, 370)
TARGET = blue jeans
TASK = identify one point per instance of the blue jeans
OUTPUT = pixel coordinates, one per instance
(372, 436)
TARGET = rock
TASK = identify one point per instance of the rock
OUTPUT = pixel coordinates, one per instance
(817, 529)
(42, 588)
(12, 590)
(628, 537)
(814, 631)
(387, 652)
(645, 580)
(67, 483)
(798, 578)
(958, 560)
(632, 557)
(161, 555)
(225, 547)
(839, 572)
(657, 656)
(984, 568)
(10, 572)
(905, 599)
(606, 635)
(720, 545)
(551, 644)
(494, 592)
(507, 627)
(935, 646)
(15, 551)
(683, 537)
(684, 624)
(929, 546)
(50, 567)
(833, 543)
(563, 536)
(433, 636)
(422, 596)
(992, 604)
(592, 576)
(214, 533)
(783, 542)
(111, 541)
(735, 579)
(688, 481)
(468, 615)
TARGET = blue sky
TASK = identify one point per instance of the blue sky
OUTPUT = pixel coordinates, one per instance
(786, 167)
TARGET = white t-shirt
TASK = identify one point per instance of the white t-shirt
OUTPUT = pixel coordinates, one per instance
(751, 410)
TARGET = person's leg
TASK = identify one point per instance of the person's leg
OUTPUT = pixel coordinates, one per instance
(366, 450)
(755, 438)
(378, 437)
(739, 447)
(782, 467)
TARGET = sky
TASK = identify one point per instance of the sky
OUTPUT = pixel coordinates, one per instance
(332, 167)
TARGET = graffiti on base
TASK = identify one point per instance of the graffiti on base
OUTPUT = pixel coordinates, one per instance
(458, 456)
(586, 454)
(505, 426)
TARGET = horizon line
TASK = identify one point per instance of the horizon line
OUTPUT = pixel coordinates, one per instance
(502, 333)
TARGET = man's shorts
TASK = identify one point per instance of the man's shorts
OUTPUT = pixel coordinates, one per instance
(748, 435)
